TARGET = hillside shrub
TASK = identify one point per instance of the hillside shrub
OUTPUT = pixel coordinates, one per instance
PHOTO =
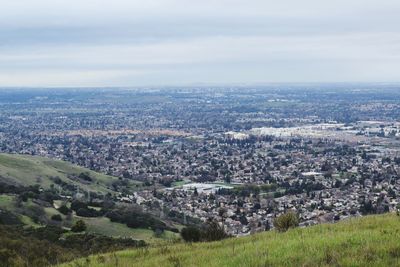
(56, 217)
(85, 176)
(82, 209)
(76, 205)
(286, 221)
(64, 209)
(213, 232)
(191, 234)
(7, 217)
(88, 212)
(79, 226)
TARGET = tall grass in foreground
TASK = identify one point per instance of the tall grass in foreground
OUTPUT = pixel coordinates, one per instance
(367, 241)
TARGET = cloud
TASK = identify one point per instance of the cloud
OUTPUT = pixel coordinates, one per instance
(171, 42)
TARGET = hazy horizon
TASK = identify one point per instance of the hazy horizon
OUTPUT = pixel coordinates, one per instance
(310, 85)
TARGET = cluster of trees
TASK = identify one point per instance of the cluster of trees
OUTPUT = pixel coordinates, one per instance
(9, 218)
(134, 217)
(211, 231)
(70, 188)
(47, 246)
(26, 192)
(301, 187)
(367, 207)
(82, 209)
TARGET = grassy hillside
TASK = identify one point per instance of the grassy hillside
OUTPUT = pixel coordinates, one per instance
(367, 241)
(103, 225)
(96, 225)
(28, 170)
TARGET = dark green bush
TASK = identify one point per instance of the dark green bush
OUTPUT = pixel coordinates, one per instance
(286, 221)
(191, 234)
(213, 232)
(7, 217)
(64, 209)
(56, 217)
(79, 226)
(133, 217)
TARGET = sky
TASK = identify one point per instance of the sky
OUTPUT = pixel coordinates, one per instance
(155, 43)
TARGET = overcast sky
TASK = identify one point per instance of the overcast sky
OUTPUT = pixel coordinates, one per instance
(146, 42)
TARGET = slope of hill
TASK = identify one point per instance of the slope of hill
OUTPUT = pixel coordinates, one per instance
(25, 170)
(367, 241)
(30, 170)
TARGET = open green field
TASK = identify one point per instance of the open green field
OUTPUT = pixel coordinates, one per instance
(30, 170)
(103, 225)
(367, 241)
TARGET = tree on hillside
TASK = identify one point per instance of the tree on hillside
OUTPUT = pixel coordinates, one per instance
(56, 217)
(79, 226)
(286, 221)
(64, 209)
(191, 234)
(213, 232)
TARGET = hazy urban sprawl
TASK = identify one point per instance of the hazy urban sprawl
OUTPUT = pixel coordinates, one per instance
(240, 156)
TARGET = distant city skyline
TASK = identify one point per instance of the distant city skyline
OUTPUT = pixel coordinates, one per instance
(160, 43)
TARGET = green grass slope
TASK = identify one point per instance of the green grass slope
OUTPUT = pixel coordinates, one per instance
(367, 241)
(30, 170)
(104, 226)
